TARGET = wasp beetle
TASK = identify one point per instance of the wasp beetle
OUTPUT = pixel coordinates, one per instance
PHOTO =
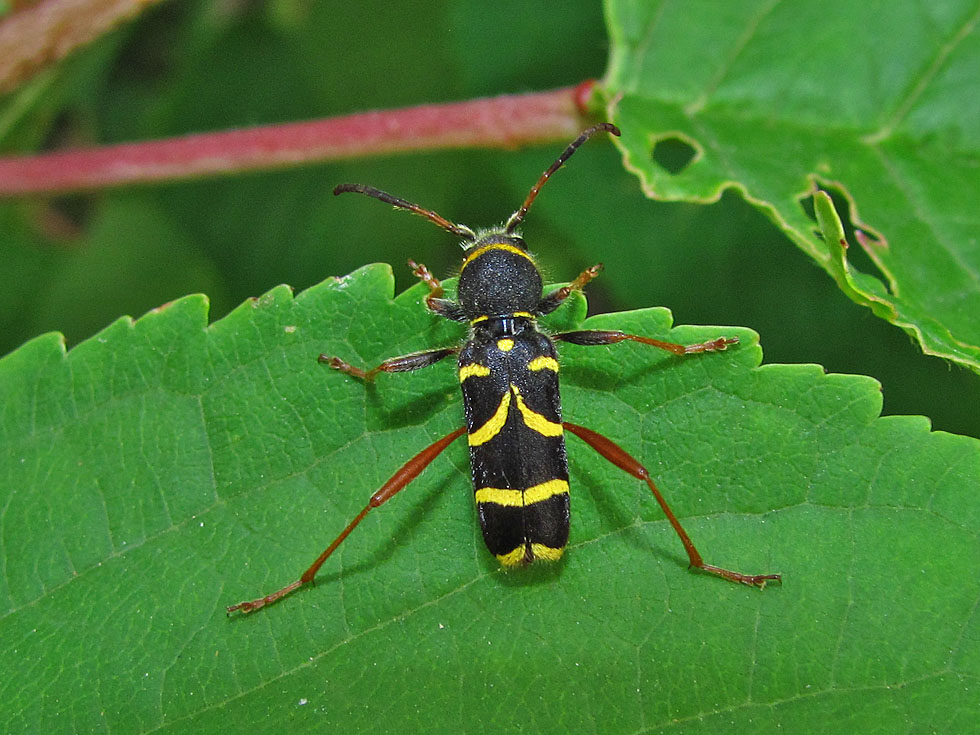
(508, 371)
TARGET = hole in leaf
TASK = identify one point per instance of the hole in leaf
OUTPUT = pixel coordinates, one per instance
(673, 154)
(856, 255)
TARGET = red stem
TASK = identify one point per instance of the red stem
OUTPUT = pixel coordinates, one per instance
(506, 121)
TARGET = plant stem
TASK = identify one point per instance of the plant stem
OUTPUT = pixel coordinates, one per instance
(507, 121)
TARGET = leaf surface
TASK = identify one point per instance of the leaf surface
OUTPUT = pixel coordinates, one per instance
(165, 468)
(872, 100)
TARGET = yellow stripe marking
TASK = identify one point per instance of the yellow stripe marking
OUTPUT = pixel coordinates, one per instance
(484, 317)
(512, 558)
(493, 425)
(521, 498)
(505, 345)
(495, 246)
(532, 419)
(547, 553)
(539, 551)
(535, 421)
(474, 370)
(500, 496)
(543, 363)
(539, 493)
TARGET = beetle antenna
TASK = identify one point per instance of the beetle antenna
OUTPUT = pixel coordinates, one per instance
(518, 216)
(458, 230)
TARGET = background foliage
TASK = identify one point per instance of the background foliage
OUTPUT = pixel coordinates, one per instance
(165, 470)
(895, 138)
(70, 264)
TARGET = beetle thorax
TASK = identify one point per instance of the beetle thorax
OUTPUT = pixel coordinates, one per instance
(499, 277)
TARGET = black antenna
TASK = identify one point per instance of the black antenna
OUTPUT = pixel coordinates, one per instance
(458, 230)
(518, 216)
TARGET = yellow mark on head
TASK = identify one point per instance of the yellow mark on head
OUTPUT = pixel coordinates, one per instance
(495, 246)
(527, 314)
(543, 363)
(479, 319)
(493, 425)
(473, 370)
(505, 345)
(547, 553)
(534, 420)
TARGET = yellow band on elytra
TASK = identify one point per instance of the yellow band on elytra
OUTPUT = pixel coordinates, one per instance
(520, 498)
(543, 363)
(512, 558)
(538, 551)
(547, 553)
(535, 420)
(493, 425)
(473, 370)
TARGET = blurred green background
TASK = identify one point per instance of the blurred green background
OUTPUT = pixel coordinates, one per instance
(74, 264)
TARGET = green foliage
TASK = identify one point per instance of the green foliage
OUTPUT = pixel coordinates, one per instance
(887, 114)
(166, 468)
(75, 264)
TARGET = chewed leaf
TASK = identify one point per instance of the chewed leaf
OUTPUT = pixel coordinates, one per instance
(775, 100)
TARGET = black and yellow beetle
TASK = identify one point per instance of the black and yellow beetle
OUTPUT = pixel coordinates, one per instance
(508, 372)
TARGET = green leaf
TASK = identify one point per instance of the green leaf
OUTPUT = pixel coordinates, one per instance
(777, 99)
(71, 265)
(164, 469)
